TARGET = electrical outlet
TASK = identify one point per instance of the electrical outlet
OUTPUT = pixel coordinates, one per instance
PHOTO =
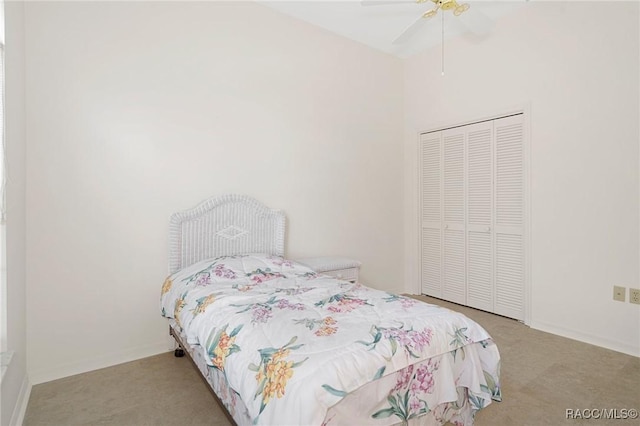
(618, 293)
(634, 295)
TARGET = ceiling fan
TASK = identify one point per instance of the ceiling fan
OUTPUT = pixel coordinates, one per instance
(457, 8)
(444, 5)
(454, 5)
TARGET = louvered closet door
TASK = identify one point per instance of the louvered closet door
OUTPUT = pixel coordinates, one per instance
(431, 208)
(509, 217)
(453, 255)
(480, 284)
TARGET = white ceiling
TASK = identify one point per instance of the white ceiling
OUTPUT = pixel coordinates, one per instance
(378, 26)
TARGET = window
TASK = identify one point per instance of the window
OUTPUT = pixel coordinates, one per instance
(5, 356)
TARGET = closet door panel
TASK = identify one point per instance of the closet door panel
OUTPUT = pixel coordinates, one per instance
(480, 292)
(431, 213)
(480, 175)
(454, 266)
(453, 146)
(480, 282)
(509, 217)
(454, 280)
(509, 284)
(431, 262)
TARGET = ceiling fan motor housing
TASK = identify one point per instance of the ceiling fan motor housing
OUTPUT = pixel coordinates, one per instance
(448, 4)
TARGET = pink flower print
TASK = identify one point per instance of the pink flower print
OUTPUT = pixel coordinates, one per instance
(223, 272)
(346, 305)
(203, 278)
(407, 303)
(265, 276)
(278, 261)
(415, 404)
(261, 314)
(424, 376)
(412, 341)
(285, 304)
(411, 384)
(400, 336)
(420, 339)
(404, 338)
(404, 376)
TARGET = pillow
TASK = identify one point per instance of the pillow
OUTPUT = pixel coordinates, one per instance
(255, 267)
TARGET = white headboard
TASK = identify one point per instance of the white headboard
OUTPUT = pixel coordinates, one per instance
(224, 226)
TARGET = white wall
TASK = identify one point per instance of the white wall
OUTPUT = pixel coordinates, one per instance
(137, 109)
(576, 66)
(15, 384)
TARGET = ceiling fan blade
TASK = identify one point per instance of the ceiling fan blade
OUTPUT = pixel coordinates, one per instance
(430, 13)
(460, 9)
(384, 2)
(476, 21)
(410, 31)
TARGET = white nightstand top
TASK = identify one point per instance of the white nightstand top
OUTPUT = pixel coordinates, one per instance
(329, 263)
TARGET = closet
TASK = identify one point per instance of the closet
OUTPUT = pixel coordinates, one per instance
(473, 215)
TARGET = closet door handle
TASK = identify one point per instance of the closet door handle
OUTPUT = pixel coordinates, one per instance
(446, 227)
(488, 228)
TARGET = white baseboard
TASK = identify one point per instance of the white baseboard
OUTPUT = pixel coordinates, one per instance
(587, 338)
(21, 404)
(53, 372)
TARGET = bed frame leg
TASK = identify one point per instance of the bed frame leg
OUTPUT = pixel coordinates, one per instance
(178, 352)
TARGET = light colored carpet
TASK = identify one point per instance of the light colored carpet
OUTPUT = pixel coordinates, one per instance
(543, 375)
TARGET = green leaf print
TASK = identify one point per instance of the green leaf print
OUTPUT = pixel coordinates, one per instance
(334, 391)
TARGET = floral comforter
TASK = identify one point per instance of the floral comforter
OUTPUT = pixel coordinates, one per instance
(292, 344)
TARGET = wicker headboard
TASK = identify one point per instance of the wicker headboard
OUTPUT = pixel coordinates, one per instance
(224, 226)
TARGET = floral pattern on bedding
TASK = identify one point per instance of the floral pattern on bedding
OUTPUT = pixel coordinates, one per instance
(406, 399)
(272, 327)
(434, 391)
(412, 341)
(261, 312)
(342, 302)
(405, 302)
(325, 325)
(415, 385)
(220, 345)
(274, 371)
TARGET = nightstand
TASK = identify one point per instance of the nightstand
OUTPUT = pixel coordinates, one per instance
(339, 267)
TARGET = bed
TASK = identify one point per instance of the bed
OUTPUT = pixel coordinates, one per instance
(279, 344)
